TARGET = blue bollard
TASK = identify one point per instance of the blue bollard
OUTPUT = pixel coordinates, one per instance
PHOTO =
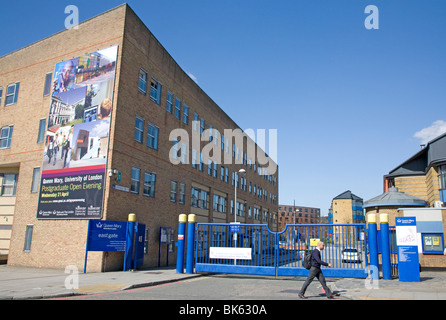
(373, 246)
(385, 247)
(190, 244)
(180, 243)
(128, 256)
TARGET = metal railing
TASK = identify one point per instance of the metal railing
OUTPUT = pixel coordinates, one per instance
(281, 253)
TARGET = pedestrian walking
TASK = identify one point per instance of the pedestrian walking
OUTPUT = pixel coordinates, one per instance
(315, 271)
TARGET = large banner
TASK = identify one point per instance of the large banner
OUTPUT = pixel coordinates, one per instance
(76, 145)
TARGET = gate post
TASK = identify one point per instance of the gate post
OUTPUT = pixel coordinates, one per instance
(190, 244)
(385, 246)
(180, 244)
(373, 245)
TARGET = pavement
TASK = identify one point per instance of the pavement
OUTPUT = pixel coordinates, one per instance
(22, 283)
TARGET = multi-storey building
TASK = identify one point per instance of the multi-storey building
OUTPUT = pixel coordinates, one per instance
(346, 208)
(94, 122)
(291, 214)
(424, 174)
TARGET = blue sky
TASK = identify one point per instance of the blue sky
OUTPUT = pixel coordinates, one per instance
(347, 102)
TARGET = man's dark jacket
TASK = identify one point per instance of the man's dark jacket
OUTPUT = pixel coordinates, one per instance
(316, 259)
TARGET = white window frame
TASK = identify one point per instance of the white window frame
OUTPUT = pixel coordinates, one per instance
(13, 95)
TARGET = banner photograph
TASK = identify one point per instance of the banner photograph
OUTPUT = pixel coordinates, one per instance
(76, 145)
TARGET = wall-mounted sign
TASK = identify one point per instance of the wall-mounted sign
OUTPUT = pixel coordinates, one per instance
(76, 145)
(230, 253)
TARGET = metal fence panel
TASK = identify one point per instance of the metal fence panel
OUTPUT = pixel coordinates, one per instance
(281, 253)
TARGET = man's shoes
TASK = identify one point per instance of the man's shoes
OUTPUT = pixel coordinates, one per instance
(331, 296)
(301, 296)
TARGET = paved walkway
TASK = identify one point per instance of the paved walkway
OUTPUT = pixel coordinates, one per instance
(431, 287)
(31, 283)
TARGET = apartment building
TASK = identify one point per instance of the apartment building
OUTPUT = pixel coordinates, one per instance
(346, 208)
(95, 123)
(292, 214)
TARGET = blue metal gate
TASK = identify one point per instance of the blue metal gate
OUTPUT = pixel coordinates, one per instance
(281, 253)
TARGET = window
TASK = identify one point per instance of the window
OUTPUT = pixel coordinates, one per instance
(9, 185)
(28, 238)
(200, 166)
(222, 204)
(5, 137)
(210, 167)
(142, 86)
(42, 127)
(48, 81)
(215, 202)
(12, 93)
(175, 149)
(155, 91)
(219, 203)
(184, 155)
(185, 114)
(35, 182)
(134, 184)
(194, 158)
(152, 136)
(139, 129)
(149, 184)
(169, 103)
(196, 120)
(442, 177)
(201, 125)
(177, 108)
(215, 173)
(182, 193)
(1, 93)
(222, 173)
(173, 191)
(199, 198)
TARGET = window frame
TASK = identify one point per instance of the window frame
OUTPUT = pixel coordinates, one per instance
(149, 184)
(152, 137)
(42, 130)
(13, 185)
(186, 114)
(7, 138)
(182, 193)
(135, 182)
(140, 130)
(142, 81)
(28, 238)
(177, 107)
(47, 86)
(155, 91)
(169, 103)
(14, 95)
(35, 182)
(173, 192)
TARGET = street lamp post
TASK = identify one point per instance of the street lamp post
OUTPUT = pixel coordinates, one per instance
(241, 172)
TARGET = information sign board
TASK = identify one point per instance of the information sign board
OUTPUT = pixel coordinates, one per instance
(406, 240)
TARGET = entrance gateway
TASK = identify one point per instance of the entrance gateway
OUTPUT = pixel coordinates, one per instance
(254, 249)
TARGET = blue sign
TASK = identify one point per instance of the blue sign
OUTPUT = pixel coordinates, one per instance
(406, 241)
(106, 235)
(235, 228)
